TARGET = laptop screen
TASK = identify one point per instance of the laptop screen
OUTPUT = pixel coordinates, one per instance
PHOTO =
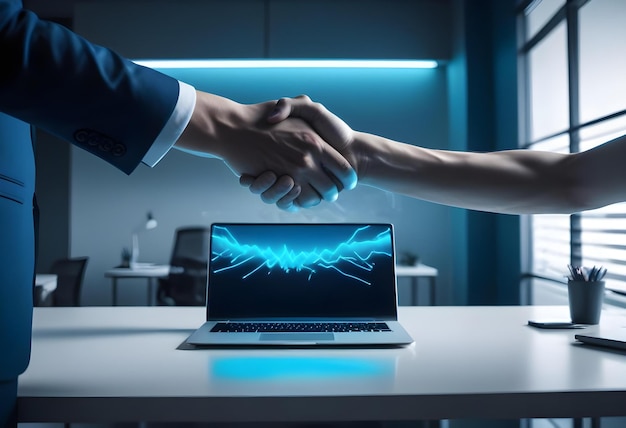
(301, 271)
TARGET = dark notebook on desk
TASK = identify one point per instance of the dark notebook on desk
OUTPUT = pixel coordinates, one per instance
(301, 284)
(610, 338)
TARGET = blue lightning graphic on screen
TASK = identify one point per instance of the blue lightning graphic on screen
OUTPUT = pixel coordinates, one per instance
(356, 252)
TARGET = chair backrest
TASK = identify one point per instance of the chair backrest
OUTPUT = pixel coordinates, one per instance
(191, 244)
(187, 280)
(70, 274)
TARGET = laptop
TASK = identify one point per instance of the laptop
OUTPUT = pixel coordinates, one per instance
(301, 284)
(610, 338)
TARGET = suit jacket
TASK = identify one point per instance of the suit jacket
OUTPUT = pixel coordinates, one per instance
(83, 93)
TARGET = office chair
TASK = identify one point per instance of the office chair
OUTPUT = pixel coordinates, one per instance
(70, 273)
(187, 280)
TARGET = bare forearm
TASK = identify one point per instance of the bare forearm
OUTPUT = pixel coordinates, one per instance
(514, 182)
(511, 181)
(207, 130)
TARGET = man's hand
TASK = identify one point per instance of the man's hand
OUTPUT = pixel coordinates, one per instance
(249, 144)
(283, 190)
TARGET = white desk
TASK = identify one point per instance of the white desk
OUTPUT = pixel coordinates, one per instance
(47, 283)
(149, 272)
(415, 273)
(105, 364)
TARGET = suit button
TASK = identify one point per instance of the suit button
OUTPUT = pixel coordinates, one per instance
(82, 135)
(99, 141)
(105, 144)
(119, 150)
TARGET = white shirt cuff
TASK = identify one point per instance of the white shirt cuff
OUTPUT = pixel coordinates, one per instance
(175, 125)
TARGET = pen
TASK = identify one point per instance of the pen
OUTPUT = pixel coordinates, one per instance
(581, 273)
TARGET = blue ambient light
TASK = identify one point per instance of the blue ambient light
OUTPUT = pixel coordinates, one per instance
(286, 63)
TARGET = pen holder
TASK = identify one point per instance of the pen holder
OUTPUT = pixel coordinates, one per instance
(585, 301)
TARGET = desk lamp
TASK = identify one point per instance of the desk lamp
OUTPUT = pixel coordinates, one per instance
(149, 224)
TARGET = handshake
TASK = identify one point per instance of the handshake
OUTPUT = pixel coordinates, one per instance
(326, 168)
(295, 153)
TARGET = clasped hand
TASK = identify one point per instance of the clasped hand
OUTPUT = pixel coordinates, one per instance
(285, 190)
(291, 158)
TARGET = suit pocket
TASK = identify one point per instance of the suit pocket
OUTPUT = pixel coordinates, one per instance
(11, 189)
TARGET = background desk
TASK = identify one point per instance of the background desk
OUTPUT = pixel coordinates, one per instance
(45, 284)
(415, 273)
(150, 273)
(104, 364)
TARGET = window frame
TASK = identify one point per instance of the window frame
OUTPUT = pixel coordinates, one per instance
(568, 13)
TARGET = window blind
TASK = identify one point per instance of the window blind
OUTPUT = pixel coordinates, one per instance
(585, 57)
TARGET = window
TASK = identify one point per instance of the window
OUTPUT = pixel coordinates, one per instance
(574, 99)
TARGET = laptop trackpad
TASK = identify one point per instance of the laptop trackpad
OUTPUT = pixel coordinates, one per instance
(300, 337)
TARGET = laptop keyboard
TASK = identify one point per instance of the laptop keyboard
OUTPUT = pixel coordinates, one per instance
(283, 327)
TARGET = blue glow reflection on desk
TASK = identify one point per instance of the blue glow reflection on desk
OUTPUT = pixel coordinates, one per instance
(290, 368)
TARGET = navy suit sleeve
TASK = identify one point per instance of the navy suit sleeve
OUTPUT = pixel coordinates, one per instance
(86, 94)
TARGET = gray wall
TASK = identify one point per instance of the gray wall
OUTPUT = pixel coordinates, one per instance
(53, 197)
(182, 190)
(269, 28)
